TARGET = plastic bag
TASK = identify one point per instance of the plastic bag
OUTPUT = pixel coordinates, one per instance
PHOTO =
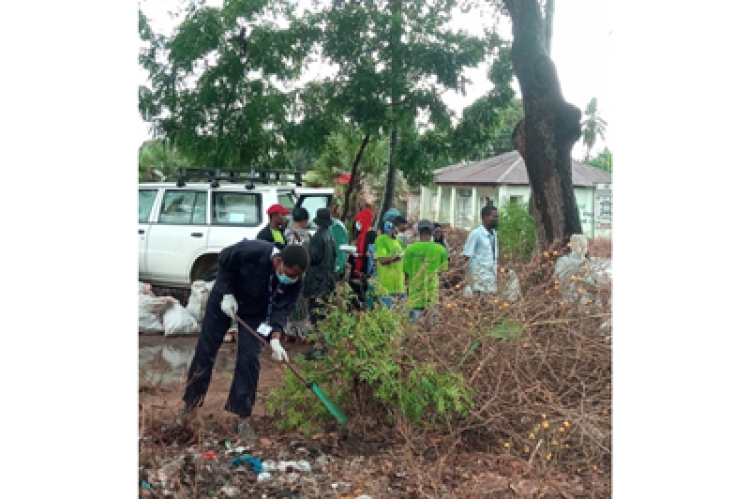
(177, 320)
(196, 304)
(150, 309)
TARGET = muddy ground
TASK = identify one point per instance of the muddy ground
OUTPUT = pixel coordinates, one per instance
(196, 461)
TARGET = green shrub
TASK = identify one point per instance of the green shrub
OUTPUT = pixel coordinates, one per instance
(516, 233)
(369, 370)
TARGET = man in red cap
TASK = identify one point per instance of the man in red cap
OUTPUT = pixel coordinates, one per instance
(274, 231)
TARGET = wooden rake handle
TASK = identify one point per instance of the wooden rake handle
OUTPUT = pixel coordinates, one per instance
(263, 342)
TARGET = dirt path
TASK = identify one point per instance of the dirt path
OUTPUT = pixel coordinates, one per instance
(165, 397)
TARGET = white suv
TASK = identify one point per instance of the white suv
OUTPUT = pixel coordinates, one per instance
(182, 227)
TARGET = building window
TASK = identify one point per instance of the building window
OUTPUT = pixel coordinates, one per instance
(516, 200)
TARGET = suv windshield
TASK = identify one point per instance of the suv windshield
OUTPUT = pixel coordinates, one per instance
(235, 208)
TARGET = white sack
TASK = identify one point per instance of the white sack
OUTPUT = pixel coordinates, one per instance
(177, 320)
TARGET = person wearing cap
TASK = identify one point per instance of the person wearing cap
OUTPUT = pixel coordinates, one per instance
(276, 222)
(389, 253)
(423, 261)
(320, 281)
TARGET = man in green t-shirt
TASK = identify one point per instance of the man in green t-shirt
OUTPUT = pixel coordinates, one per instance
(389, 252)
(423, 261)
(274, 231)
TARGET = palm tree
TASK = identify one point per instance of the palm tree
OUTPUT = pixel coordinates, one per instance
(593, 126)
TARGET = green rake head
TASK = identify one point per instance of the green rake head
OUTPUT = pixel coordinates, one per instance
(330, 405)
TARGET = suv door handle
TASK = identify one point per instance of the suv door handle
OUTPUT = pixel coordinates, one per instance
(141, 231)
(197, 234)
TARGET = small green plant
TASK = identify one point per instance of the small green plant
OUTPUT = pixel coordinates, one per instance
(506, 330)
(516, 233)
(369, 369)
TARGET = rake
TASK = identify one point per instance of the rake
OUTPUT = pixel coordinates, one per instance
(329, 404)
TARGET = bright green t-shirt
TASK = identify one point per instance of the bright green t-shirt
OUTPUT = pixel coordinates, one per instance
(278, 236)
(423, 261)
(390, 278)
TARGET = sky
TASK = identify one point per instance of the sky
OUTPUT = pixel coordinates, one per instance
(581, 50)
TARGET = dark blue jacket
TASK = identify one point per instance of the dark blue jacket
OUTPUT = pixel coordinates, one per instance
(246, 271)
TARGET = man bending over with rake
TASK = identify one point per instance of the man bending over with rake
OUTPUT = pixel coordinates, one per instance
(260, 285)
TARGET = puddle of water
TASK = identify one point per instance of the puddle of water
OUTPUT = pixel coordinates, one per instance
(163, 364)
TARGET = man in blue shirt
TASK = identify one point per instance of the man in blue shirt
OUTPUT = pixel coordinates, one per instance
(481, 252)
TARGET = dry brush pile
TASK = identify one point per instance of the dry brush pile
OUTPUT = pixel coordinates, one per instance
(538, 368)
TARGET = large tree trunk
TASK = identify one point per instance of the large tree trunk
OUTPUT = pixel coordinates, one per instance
(389, 190)
(353, 180)
(550, 128)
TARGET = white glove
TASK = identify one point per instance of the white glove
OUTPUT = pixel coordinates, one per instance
(279, 353)
(229, 305)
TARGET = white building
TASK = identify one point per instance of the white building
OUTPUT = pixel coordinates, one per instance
(460, 191)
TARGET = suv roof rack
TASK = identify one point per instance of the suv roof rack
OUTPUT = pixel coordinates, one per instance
(233, 175)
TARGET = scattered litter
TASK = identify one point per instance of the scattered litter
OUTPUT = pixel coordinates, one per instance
(364, 496)
(265, 442)
(145, 485)
(253, 462)
(270, 466)
(230, 491)
(168, 470)
(262, 477)
(304, 466)
(286, 465)
(209, 455)
(291, 477)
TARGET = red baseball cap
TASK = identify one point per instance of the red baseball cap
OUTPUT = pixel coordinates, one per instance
(277, 208)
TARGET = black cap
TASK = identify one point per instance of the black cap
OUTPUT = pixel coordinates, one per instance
(323, 218)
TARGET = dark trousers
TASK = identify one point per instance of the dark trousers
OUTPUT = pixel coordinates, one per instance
(247, 367)
(317, 309)
(359, 287)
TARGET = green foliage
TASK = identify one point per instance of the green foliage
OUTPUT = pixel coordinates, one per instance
(339, 151)
(214, 86)
(487, 124)
(506, 329)
(603, 160)
(396, 59)
(368, 363)
(516, 233)
(157, 157)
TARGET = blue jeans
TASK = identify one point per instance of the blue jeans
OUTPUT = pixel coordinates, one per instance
(390, 300)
